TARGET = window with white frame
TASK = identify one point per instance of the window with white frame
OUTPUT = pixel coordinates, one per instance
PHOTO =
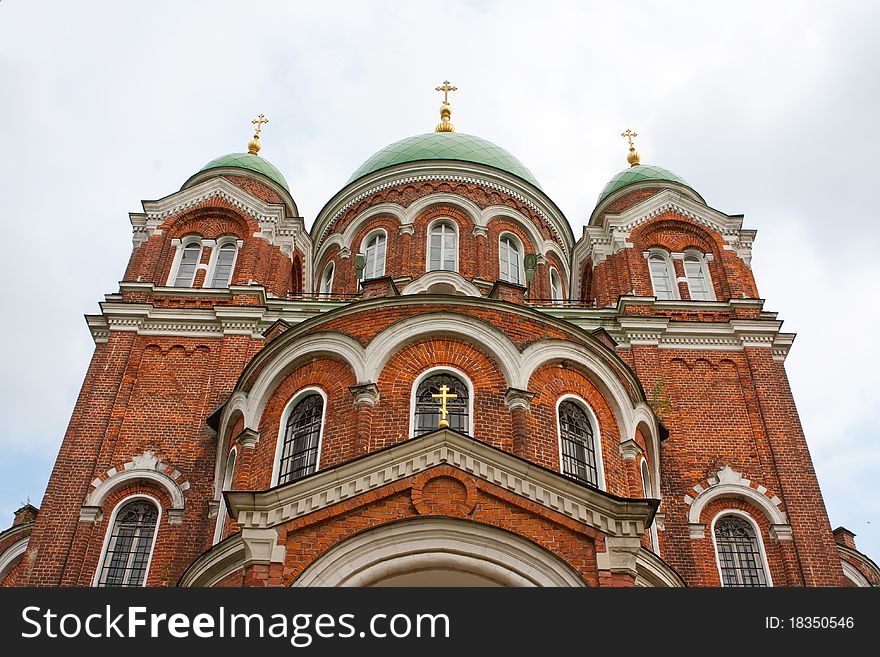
(578, 450)
(427, 407)
(510, 259)
(697, 273)
(739, 552)
(227, 482)
(302, 438)
(442, 247)
(556, 293)
(222, 265)
(326, 286)
(129, 544)
(662, 275)
(374, 255)
(190, 255)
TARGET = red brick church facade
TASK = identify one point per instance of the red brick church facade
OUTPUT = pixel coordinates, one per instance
(258, 409)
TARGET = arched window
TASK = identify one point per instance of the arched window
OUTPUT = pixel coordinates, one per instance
(189, 262)
(510, 259)
(555, 286)
(327, 280)
(130, 544)
(577, 444)
(374, 253)
(227, 482)
(223, 263)
(443, 247)
(697, 274)
(427, 408)
(738, 549)
(662, 276)
(302, 439)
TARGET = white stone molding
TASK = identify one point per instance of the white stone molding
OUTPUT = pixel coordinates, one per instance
(447, 544)
(621, 555)
(261, 546)
(629, 450)
(728, 483)
(515, 398)
(852, 573)
(145, 467)
(12, 553)
(366, 393)
(652, 571)
(276, 225)
(455, 172)
(248, 438)
(610, 515)
(439, 277)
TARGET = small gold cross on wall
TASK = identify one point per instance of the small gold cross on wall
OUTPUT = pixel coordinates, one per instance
(443, 396)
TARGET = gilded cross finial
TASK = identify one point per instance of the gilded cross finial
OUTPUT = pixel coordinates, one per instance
(443, 396)
(254, 144)
(633, 158)
(445, 108)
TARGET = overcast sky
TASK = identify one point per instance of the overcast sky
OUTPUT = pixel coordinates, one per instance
(767, 108)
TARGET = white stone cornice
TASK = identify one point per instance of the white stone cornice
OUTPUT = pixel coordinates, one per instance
(276, 226)
(612, 516)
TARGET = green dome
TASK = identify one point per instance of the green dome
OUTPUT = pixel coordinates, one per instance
(253, 163)
(445, 146)
(637, 174)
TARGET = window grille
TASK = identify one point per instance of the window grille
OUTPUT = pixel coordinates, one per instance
(661, 279)
(299, 453)
(739, 555)
(427, 411)
(130, 545)
(577, 444)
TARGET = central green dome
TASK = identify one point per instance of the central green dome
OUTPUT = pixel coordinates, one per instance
(445, 146)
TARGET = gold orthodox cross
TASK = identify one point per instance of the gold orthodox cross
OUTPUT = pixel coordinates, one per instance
(446, 88)
(259, 121)
(629, 134)
(443, 396)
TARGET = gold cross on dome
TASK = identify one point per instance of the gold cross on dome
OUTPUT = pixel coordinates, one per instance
(259, 121)
(629, 134)
(446, 88)
(443, 396)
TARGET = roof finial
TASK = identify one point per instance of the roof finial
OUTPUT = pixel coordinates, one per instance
(254, 144)
(445, 109)
(633, 158)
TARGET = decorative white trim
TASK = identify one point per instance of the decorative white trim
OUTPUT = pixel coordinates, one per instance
(703, 261)
(728, 483)
(383, 552)
(12, 553)
(852, 573)
(146, 467)
(652, 571)
(439, 276)
(597, 436)
(282, 427)
(221, 509)
(181, 245)
(585, 504)
(137, 496)
(326, 290)
(759, 538)
(441, 369)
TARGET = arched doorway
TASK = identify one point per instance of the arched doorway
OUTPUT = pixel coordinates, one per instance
(438, 552)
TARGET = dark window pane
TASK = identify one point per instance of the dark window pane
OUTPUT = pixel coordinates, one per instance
(130, 545)
(739, 556)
